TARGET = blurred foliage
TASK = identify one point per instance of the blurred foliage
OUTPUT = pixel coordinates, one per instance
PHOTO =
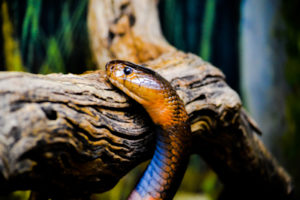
(124, 186)
(18, 195)
(200, 180)
(30, 31)
(209, 14)
(208, 28)
(12, 53)
(53, 36)
(291, 139)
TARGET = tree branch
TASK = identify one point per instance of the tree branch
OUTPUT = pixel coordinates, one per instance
(73, 135)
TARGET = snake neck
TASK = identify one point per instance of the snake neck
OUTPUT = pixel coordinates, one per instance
(166, 169)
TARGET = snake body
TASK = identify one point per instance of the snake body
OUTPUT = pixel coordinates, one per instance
(166, 169)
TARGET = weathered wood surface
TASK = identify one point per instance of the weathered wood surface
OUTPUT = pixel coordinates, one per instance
(125, 29)
(73, 135)
(77, 135)
(66, 132)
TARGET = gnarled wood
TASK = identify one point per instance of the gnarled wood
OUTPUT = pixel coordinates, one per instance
(73, 135)
(125, 29)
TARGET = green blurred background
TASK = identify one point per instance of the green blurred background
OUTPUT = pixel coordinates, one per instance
(256, 43)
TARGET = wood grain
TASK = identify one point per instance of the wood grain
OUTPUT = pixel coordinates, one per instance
(67, 135)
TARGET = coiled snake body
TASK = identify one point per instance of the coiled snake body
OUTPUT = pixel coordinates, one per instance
(166, 169)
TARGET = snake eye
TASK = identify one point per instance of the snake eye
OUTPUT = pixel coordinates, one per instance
(127, 70)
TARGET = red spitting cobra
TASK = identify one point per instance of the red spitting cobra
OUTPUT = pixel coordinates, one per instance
(166, 169)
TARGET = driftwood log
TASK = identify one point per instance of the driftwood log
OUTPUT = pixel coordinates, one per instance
(66, 135)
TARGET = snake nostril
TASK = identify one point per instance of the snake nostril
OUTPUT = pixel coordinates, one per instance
(106, 66)
(109, 67)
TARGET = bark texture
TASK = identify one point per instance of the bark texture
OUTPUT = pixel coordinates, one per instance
(73, 135)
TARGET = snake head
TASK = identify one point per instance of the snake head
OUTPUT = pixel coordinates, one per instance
(138, 82)
(148, 88)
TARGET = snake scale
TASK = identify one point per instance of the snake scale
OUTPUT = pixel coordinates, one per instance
(163, 175)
